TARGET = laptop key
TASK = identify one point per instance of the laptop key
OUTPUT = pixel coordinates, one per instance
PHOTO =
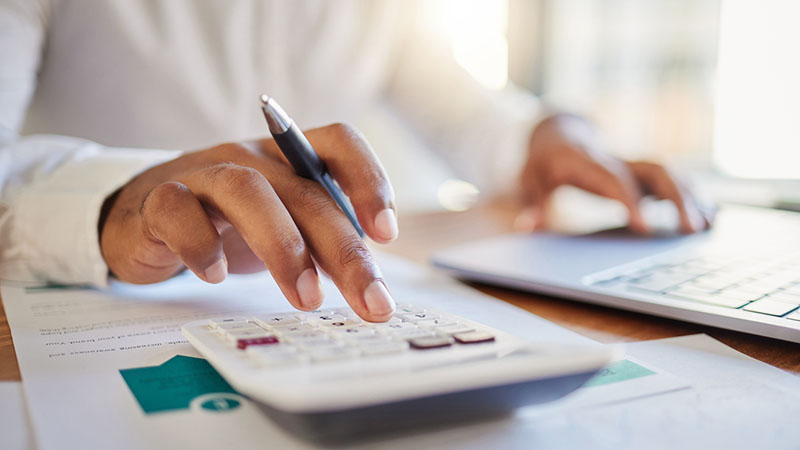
(770, 307)
(660, 282)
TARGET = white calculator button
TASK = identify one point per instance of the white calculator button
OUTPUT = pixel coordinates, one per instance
(322, 342)
(312, 335)
(410, 333)
(346, 323)
(217, 321)
(353, 331)
(403, 308)
(416, 317)
(236, 326)
(384, 348)
(276, 320)
(395, 327)
(327, 354)
(276, 359)
(320, 319)
(455, 329)
(290, 330)
(272, 349)
(433, 323)
(392, 324)
(234, 335)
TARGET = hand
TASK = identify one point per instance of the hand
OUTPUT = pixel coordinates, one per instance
(242, 208)
(564, 149)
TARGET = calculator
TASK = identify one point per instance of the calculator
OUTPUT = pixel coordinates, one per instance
(328, 374)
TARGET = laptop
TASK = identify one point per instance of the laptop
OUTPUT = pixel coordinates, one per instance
(743, 274)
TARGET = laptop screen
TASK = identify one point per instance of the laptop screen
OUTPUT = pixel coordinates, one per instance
(757, 101)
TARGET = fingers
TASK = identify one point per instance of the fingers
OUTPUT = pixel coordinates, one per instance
(658, 180)
(353, 164)
(337, 248)
(610, 179)
(614, 182)
(247, 200)
(171, 215)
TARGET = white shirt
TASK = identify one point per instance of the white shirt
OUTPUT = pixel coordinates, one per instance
(94, 92)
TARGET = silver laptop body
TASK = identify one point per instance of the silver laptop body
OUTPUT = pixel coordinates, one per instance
(743, 275)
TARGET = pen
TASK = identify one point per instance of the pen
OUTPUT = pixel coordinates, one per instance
(301, 155)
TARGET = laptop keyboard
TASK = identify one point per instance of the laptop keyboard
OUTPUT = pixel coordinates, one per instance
(765, 284)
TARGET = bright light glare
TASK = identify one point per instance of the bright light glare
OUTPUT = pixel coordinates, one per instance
(757, 126)
(477, 32)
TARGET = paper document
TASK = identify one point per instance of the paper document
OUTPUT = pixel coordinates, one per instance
(110, 369)
(15, 430)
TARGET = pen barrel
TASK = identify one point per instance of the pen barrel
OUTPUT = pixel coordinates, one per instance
(296, 148)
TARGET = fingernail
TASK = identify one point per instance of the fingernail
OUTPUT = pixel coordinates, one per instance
(697, 221)
(526, 220)
(386, 224)
(309, 289)
(378, 300)
(217, 272)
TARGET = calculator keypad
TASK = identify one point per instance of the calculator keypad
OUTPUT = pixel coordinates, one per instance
(277, 340)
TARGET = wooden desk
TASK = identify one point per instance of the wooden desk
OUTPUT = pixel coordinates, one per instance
(422, 234)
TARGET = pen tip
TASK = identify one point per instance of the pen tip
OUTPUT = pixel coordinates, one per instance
(264, 100)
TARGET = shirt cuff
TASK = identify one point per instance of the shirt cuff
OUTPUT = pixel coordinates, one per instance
(55, 215)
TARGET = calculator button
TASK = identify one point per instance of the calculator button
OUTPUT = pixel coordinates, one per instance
(347, 323)
(326, 318)
(276, 320)
(236, 326)
(454, 329)
(414, 318)
(408, 309)
(290, 330)
(353, 332)
(217, 321)
(429, 342)
(393, 324)
(278, 358)
(316, 344)
(433, 323)
(233, 336)
(279, 347)
(328, 354)
(302, 336)
(384, 348)
(473, 337)
(409, 333)
(244, 343)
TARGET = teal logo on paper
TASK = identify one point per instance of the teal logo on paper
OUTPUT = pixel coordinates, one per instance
(180, 383)
(619, 371)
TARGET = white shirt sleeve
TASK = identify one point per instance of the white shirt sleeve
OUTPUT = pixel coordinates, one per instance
(482, 133)
(51, 187)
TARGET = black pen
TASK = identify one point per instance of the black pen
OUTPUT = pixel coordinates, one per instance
(301, 155)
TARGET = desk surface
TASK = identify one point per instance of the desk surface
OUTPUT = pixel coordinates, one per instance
(422, 234)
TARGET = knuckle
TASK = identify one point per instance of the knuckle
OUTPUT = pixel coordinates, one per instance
(235, 178)
(164, 198)
(311, 198)
(344, 131)
(232, 152)
(291, 244)
(352, 252)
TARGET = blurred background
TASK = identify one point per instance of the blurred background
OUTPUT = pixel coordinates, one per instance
(709, 86)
